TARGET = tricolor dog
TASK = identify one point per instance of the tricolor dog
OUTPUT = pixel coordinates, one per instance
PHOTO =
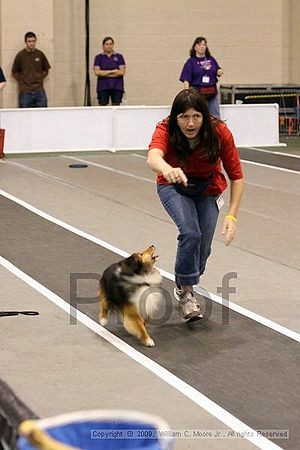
(127, 288)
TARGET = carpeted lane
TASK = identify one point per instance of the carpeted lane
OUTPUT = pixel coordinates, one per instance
(272, 159)
(248, 369)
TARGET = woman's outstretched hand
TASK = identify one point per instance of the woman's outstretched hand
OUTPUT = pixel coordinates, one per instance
(175, 175)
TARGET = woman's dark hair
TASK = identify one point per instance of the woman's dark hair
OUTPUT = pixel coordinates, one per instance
(107, 38)
(209, 142)
(197, 41)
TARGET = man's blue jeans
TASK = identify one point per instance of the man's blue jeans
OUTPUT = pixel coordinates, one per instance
(34, 99)
(196, 220)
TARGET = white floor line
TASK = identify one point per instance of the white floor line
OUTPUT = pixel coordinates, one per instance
(245, 312)
(64, 224)
(241, 310)
(247, 182)
(256, 163)
(291, 155)
(111, 169)
(35, 171)
(244, 161)
(136, 155)
(54, 178)
(250, 148)
(193, 394)
(270, 188)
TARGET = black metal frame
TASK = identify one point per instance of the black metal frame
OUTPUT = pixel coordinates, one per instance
(87, 91)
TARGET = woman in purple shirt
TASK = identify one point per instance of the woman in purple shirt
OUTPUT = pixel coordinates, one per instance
(109, 67)
(201, 71)
(2, 79)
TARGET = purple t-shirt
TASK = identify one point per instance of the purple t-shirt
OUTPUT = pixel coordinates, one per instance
(109, 63)
(200, 71)
(2, 77)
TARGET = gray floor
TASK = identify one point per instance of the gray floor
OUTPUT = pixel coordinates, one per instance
(282, 159)
(125, 212)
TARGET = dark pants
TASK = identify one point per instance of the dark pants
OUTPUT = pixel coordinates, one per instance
(34, 99)
(115, 95)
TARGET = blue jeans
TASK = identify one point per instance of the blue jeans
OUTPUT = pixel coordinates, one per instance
(34, 99)
(214, 106)
(196, 220)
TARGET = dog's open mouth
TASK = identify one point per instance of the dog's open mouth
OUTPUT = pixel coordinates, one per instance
(153, 255)
(150, 255)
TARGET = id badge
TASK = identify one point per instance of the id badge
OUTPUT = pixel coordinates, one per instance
(220, 201)
(205, 79)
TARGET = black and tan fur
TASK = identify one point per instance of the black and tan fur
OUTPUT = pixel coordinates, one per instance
(122, 287)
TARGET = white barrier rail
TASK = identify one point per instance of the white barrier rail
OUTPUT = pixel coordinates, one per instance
(41, 130)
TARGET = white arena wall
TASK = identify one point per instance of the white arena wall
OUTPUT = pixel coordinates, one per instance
(120, 128)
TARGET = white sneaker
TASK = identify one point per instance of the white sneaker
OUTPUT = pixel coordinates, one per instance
(188, 305)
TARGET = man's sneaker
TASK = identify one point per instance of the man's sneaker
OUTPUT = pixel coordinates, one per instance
(188, 305)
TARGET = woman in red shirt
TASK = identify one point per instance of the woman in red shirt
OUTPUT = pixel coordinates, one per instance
(186, 152)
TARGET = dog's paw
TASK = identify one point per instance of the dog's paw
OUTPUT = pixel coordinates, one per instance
(149, 342)
(103, 321)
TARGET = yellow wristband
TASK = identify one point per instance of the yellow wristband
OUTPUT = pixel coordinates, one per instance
(229, 216)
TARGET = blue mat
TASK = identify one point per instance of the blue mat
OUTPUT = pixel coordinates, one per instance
(99, 430)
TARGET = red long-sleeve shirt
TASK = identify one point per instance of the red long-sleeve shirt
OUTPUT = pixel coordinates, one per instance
(198, 167)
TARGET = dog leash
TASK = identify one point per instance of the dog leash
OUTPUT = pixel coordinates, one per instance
(16, 313)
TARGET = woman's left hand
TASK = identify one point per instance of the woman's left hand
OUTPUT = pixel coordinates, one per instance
(229, 229)
(220, 72)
